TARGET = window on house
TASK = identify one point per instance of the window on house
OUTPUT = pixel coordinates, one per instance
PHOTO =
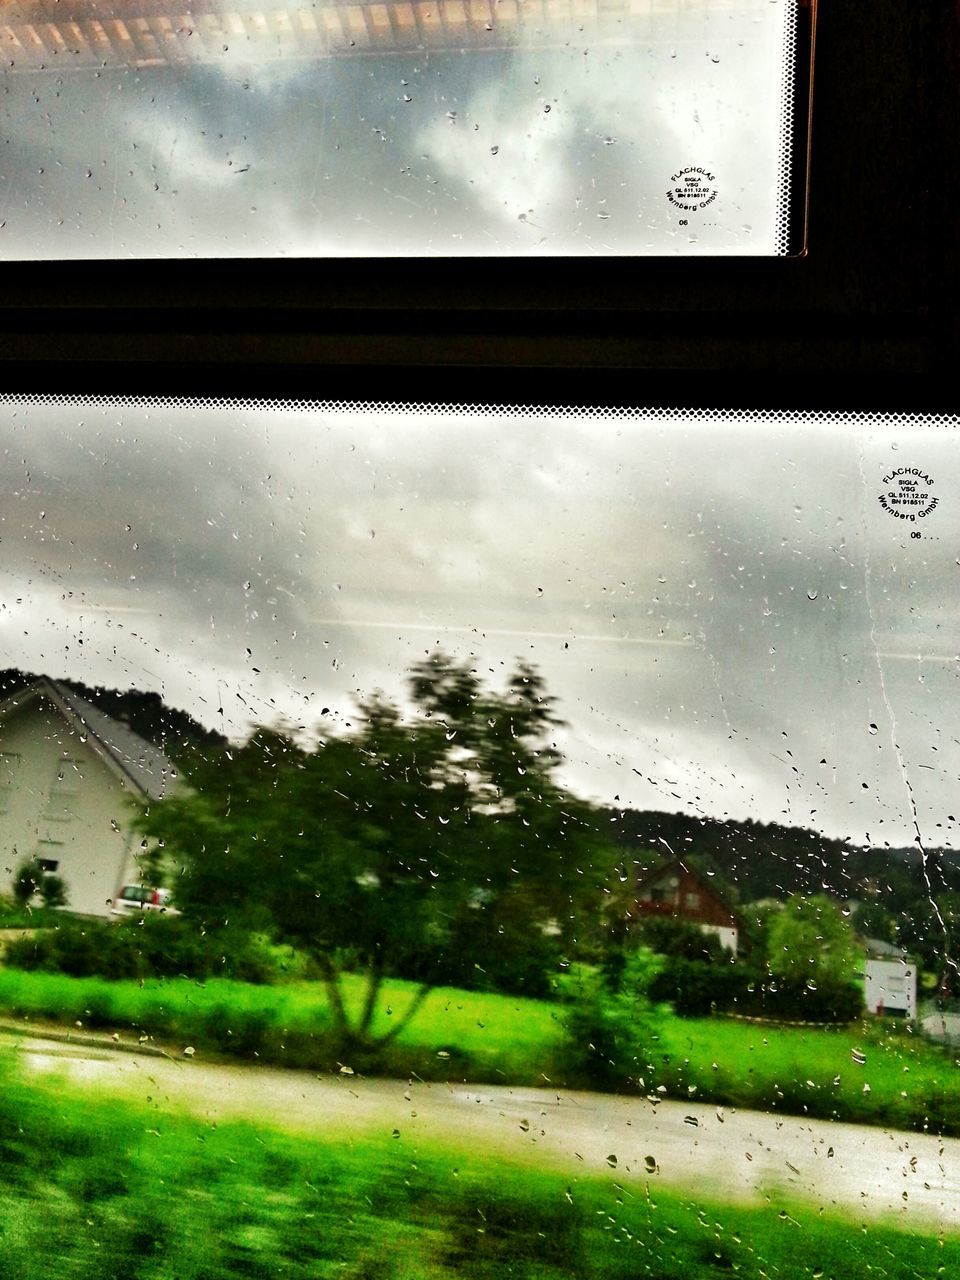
(9, 770)
(48, 864)
(63, 792)
(692, 900)
(404, 129)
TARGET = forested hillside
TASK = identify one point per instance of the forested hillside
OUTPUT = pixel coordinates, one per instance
(906, 898)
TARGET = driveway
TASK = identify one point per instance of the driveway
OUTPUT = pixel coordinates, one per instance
(707, 1152)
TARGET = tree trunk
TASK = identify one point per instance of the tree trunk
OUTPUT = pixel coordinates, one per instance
(374, 983)
(331, 981)
(407, 1017)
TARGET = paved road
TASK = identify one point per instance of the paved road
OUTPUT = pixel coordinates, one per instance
(709, 1153)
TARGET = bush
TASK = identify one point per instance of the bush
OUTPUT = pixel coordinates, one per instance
(695, 988)
(80, 950)
(609, 1028)
(53, 891)
(839, 1002)
(154, 946)
(681, 939)
(26, 882)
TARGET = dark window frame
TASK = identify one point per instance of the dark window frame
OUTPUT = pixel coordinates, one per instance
(875, 292)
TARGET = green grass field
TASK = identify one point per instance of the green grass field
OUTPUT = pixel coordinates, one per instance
(95, 1189)
(480, 1036)
(459, 1035)
(902, 1080)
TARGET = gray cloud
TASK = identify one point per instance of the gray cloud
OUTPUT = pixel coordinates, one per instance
(731, 621)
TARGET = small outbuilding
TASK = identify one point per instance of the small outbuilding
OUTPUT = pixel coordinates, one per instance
(890, 980)
(68, 774)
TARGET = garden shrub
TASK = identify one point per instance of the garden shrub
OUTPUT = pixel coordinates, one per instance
(26, 881)
(53, 891)
(794, 1001)
(695, 989)
(609, 1028)
(154, 946)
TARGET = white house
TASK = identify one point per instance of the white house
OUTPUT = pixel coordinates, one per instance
(890, 980)
(68, 773)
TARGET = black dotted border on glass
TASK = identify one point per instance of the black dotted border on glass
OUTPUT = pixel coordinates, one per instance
(788, 67)
(602, 412)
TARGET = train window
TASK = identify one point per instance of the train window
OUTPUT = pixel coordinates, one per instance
(403, 129)
(549, 820)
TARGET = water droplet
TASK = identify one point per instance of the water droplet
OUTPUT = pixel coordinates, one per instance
(494, 150)
(651, 1163)
(812, 593)
(873, 728)
(612, 1161)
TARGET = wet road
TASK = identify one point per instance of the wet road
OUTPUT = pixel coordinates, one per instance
(707, 1152)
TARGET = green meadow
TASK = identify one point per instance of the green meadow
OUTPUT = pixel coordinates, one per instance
(871, 1072)
(91, 1188)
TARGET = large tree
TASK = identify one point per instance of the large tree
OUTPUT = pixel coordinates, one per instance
(396, 838)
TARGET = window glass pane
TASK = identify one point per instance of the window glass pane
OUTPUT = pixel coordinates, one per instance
(523, 841)
(461, 127)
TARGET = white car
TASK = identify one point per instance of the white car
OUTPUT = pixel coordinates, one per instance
(135, 899)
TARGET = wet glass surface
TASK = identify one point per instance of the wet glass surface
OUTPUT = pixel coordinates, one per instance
(476, 843)
(465, 127)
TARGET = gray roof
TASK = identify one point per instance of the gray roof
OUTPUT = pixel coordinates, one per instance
(142, 764)
(881, 950)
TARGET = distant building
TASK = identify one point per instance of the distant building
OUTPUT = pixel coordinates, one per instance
(890, 980)
(68, 772)
(677, 892)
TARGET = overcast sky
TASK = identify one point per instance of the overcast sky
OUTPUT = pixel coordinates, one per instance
(732, 623)
(555, 151)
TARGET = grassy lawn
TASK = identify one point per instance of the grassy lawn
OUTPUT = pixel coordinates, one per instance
(459, 1035)
(873, 1072)
(16, 917)
(456, 1033)
(94, 1189)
